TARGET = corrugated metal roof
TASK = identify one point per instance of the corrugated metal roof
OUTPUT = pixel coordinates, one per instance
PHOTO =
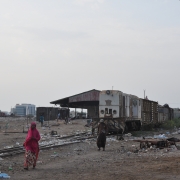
(92, 95)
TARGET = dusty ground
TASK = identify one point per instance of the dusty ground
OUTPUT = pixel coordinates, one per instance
(83, 161)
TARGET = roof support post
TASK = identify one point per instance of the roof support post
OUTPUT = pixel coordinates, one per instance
(75, 112)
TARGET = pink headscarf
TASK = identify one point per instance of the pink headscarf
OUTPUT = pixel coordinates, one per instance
(31, 142)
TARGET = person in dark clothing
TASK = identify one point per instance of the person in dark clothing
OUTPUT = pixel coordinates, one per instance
(58, 116)
(41, 120)
(102, 130)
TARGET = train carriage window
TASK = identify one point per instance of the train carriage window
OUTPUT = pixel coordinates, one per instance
(102, 111)
(110, 111)
(134, 102)
(106, 110)
(114, 111)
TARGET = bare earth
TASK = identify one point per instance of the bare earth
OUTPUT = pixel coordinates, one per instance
(82, 160)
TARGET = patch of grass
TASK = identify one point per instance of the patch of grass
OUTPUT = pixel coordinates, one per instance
(170, 124)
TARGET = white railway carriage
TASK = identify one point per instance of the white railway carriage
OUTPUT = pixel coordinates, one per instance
(122, 111)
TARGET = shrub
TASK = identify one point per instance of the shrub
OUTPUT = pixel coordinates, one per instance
(170, 124)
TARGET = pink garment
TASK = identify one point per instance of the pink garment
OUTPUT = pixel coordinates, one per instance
(31, 142)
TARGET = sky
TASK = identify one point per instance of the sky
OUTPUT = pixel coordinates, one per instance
(54, 49)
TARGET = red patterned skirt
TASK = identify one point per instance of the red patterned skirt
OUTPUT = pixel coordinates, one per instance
(30, 159)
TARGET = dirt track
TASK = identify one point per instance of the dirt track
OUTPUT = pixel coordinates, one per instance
(83, 161)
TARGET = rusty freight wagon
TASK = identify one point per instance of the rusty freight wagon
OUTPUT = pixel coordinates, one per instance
(149, 112)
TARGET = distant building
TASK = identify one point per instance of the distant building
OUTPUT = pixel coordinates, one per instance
(6, 113)
(2, 114)
(176, 113)
(30, 109)
(24, 109)
(13, 110)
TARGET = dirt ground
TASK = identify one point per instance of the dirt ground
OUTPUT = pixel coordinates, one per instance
(120, 160)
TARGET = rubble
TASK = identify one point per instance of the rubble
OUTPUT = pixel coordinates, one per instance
(121, 155)
(78, 149)
(160, 136)
(128, 135)
(4, 176)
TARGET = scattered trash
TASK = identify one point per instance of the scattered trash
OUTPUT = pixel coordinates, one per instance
(7, 147)
(53, 132)
(136, 151)
(4, 175)
(173, 148)
(173, 139)
(174, 133)
(128, 153)
(1, 159)
(123, 149)
(55, 124)
(120, 137)
(78, 149)
(55, 155)
(160, 142)
(128, 135)
(178, 147)
(39, 162)
(10, 167)
(160, 136)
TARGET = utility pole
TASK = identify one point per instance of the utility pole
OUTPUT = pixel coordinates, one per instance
(144, 93)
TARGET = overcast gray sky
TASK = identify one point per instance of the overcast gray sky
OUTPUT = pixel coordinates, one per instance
(51, 49)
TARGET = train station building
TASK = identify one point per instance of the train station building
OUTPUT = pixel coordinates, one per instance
(86, 100)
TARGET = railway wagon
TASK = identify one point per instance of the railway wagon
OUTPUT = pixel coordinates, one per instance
(165, 113)
(122, 111)
(149, 112)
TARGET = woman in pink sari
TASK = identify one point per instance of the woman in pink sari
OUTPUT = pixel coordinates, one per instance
(31, 146)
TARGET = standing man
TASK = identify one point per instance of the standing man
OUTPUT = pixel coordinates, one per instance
(102, 131)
